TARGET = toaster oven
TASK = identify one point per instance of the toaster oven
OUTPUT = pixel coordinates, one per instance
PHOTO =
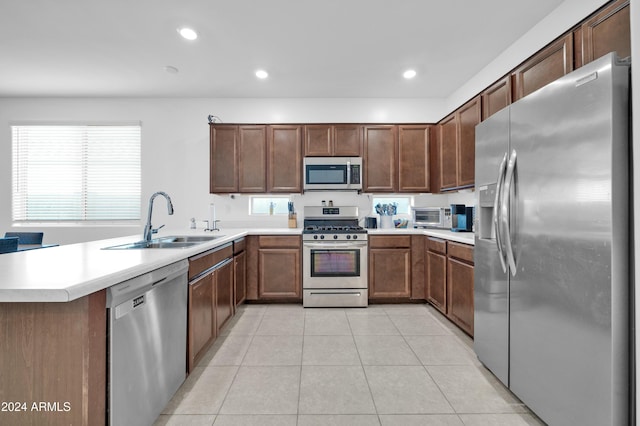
(432, 217)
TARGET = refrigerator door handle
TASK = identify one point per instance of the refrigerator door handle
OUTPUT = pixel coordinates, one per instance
(505, 210)
(496, 212)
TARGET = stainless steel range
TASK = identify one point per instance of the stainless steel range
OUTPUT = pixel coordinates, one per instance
(335, 258)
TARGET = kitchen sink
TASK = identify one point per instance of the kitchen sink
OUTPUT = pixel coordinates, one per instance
(171, 242)
(189, 238)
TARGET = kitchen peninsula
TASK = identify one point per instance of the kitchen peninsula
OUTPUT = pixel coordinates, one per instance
(53, 361)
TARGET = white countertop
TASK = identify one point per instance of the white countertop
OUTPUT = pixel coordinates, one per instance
(459, 237)
(68, 272)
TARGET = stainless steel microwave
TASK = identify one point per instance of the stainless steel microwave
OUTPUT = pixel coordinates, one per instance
(332, 173)
(432, 217)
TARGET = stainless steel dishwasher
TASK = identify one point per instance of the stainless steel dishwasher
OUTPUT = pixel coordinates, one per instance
(147, 343)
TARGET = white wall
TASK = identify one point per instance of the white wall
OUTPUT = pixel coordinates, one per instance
(568, 14)
(175, 142)
(175, 131)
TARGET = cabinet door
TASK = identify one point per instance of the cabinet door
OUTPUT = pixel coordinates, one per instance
(418, 275)
(223, 176)
(240, 277)
(448, 152)
(607, 31)
(318, 140)
(389, 273)
(380, 158)
(252, 159)
(347, 140)
(284, 166)
(460, 294)
(279, 273)
(496, 97)
(470, 115)
(224, 294)
(437, 280)
(546, 66)
(413, 159)
(201, 318)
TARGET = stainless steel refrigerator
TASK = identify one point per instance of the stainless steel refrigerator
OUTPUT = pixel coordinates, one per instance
(552, 286)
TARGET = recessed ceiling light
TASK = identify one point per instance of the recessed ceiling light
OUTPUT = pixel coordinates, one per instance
(409, 74)
(188, 33)
(262, 74)
(171, 70)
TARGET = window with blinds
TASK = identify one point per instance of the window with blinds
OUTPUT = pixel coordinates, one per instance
(76, 173)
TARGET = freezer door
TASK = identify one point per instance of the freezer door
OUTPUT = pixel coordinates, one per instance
(492, 141)
(568, 298)
(491, 285)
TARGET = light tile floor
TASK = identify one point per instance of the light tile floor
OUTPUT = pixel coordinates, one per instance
(385, 365)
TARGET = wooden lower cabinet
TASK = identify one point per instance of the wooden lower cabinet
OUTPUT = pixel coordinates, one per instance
(240, 277)
(54, 353)
(279, 268)
(450, 281)
(202, 328)
(389, 267)
(437, 273)
(460, 294)
(211, 300)
(224, 286)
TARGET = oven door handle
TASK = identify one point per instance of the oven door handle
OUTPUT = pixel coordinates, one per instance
(332, 245)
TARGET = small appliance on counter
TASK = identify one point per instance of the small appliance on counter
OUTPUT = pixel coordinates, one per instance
(370, 222)
(461, 218)
(432, 217)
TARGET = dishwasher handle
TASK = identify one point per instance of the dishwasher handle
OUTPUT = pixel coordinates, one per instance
(139, 285)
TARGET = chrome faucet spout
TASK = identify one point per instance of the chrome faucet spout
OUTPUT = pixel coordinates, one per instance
(148, 228)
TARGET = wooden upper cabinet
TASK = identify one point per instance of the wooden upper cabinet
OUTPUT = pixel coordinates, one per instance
(547, 65)
(325, 140)
(252, 159)
(496, 97)
(413, 158)
(284, 165)
(238, 158)
(458, 146)
(318, 140)
(223, 173)
(469, 117)
(380, 158)
(607, 31)
(448, 152)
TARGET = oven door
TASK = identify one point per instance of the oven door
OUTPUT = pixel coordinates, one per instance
(334, 265)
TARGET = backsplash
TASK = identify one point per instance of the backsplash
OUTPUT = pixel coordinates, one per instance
(233, 210)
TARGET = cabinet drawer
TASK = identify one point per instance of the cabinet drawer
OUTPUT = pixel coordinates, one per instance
(461, 251)
(203, 261)
(390, 241)
(239, 245)
(437, 245)
(278, 241)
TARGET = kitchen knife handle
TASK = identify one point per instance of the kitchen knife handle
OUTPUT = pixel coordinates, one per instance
(496, 211)
(505, 210)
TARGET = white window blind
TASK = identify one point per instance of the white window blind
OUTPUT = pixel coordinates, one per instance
(76, 173)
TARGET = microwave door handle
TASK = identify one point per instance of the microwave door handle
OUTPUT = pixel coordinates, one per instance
(348, 173)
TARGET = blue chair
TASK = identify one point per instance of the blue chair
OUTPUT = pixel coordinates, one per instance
(26, 237)
(8, 245)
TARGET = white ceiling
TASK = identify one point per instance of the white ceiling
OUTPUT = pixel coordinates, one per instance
(311, 49)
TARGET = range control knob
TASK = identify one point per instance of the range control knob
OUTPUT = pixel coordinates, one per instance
(348, 237)
(355, 237)
(335, 237)
(322, 237)
(315, 237)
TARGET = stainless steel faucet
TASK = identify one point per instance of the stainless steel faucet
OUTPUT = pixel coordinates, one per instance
(148, 229)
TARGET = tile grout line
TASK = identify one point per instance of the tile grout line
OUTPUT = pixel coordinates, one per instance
(238, 369)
